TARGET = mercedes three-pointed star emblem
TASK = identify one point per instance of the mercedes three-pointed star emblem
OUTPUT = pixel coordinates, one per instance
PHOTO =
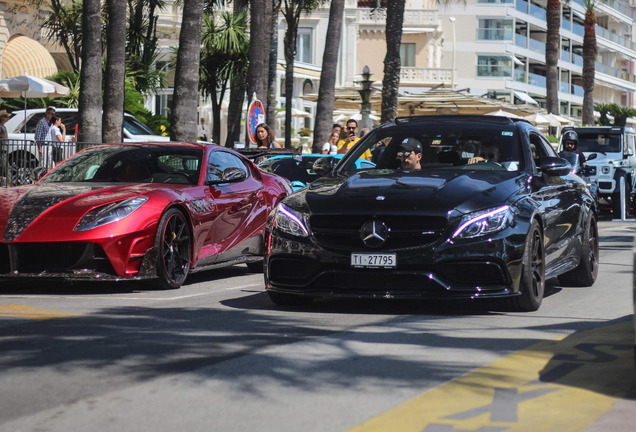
(374, 233)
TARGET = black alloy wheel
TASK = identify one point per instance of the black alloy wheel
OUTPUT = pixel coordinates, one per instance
(174, 247)
(532, 284)
(584, 275)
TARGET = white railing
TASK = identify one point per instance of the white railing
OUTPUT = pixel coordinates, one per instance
(425, 75)
(412, 17)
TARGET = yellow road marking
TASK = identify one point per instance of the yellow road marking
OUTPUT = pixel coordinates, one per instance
(559, 385)
(31, 312)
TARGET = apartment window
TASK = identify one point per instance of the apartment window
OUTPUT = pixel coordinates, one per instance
(494, 66)
(303, 45)
(407, 54)
(495, 29)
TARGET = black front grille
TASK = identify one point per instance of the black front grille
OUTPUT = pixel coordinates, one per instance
(53, 258)
(342, 232)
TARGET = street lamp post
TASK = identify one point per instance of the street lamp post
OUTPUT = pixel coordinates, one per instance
(452, 20)
(365, 94)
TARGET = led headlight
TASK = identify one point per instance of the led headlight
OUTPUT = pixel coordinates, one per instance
(605, 169)
(109, 213)
(484, 223)
(290, 221)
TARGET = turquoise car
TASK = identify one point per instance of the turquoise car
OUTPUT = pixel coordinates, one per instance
(298, 169)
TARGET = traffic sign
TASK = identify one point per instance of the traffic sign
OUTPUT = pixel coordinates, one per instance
(255, 116)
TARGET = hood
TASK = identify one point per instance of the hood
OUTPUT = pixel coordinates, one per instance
(433, 193)
(23, 205)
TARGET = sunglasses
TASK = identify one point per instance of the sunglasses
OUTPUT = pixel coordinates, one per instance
(352, 128)
(403, 155)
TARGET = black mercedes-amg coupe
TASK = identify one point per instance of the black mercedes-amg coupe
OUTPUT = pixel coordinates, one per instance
(457, 207)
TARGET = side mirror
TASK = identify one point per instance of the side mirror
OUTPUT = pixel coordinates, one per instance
(230, 175)
(324, 165)
(555, 166)
(592, 156)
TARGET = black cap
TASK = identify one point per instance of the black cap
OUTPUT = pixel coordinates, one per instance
(411, 144)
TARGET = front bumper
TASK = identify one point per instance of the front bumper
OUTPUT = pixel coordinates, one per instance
(488, 267)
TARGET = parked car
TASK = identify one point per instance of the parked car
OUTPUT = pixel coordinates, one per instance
(133, 130)
(133, 211)
(480, 219)
(299, 169)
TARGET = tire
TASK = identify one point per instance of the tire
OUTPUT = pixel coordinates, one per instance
(174, 249)
(288, 299)
(532, 284)
(616, 198)
(255, 266)
(584, 275)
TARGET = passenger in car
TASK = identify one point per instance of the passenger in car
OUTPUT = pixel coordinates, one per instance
(410, 154)
(488, 152)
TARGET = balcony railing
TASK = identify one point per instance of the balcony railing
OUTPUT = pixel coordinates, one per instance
(412, 17)
(425, 75)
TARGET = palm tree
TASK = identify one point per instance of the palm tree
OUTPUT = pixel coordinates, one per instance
(270, 107)
(224, 55)
(183, 122)
(589, 57)
(63, 25)
(114, 81)
(260, 42)
(90, 100)
(552, 43)
(238, 88)
(391, 80)
(291, 11)
(326, 91)
(142, 45)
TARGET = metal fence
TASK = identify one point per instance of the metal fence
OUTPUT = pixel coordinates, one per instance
(25, 161)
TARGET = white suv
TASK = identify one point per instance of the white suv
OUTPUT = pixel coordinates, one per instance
(133, 130)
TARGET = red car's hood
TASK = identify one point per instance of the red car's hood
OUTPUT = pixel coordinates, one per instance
(21, 206)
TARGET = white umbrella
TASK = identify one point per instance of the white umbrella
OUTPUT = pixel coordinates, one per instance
(294, 112)
(28, 86)
(537, 119)
(502, 113)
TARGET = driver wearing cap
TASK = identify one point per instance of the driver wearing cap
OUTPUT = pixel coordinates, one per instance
(410, 154)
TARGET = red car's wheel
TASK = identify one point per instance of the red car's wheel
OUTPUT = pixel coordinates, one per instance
(174, 246)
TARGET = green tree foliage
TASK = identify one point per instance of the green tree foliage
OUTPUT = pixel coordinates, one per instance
(223, 57)
(618, 112)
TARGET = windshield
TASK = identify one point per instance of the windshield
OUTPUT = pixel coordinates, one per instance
(135, 127)
(132, 164)
(445, 145)
(598, 142)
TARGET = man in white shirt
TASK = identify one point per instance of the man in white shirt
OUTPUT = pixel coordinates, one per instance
(203, 133)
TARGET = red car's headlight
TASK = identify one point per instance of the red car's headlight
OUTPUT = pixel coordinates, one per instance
(109, 213)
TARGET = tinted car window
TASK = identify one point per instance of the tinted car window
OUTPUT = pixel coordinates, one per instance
(446, 145)
(219, 161)
(138, 164)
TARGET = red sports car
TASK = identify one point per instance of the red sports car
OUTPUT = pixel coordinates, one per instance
(138, 211)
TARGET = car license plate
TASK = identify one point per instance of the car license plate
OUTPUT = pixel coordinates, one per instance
(373, 260)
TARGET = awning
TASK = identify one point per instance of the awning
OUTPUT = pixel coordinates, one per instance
(23, 55)
(525, 97)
